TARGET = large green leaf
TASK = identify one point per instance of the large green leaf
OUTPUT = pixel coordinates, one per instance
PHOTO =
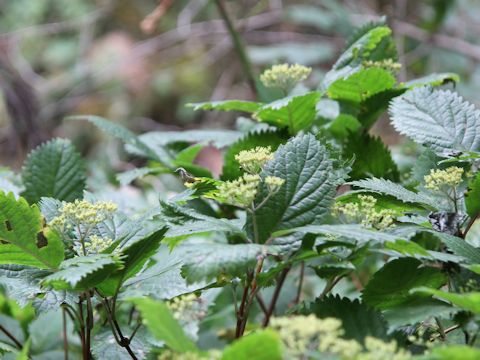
(83, 272)
(24, 239)
(452, 352)
(208, 261)
(261, 345)
(360, 85)
(435, 79)
(295, 112)
(467, 301)
(306, 195)
(459, 247)
(472, 197)
(438, 119)
(54, 169)
(371, 157)
(158, 318)
(163, 280)
(358, 320)
(227, 105)
(391, 285)
(387, 187)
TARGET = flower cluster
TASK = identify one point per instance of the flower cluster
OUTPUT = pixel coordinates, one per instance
(80, 218)
(93, 245)
(274, 183)
(185, 307)
(366, 212)
(252, 161)
(284, 76)
(439, 179)
(387, 64)
(82, 212)
(240, 192)
(301, 334)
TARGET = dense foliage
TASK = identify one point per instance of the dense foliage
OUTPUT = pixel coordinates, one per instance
(315, 242)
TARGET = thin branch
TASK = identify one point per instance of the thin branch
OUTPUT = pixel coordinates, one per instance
(65, 335)
(11, 337)
(300, 283)
(276, 293)
(150, 22)
(238, 44)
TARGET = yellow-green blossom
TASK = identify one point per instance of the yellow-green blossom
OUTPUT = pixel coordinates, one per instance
(439, 179)
(274, 183)
(366, 213)
(252, 161)
(82, 212)
(171, 355)
(240, 192)
(284, 76)
(387, 64)
(94, 245)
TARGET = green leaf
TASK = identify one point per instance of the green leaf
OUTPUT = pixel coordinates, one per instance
(122, 133)
(158, 318)
(83, 272)
(459, 247)
(127, 177)
(306, 195)
(391, 285)
(416, 311)
(452, 352)
(163, 279)
(387, 187)
(472, 197)
(438, 119)
(467, 301)
(261, 345)
(231, 168)
(361, 85)
(183, 221)
(54, 169)
(435, 79)
(25, 240)
(295, 112)
(218, 138)
(368, 43)
(357, 233)
(227, 105)
(208, 261)
(372, 157)
(358, 320)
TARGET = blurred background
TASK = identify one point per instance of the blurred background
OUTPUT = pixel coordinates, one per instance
(139, 62)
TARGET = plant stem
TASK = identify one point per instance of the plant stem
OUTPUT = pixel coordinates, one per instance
(329, 286)
(89, 324)
(65, 336)
(241, 310)
(300, 283)
(276, 293)
(11, 337)
(261, 303)
(441, 329)
(469, 225)
(239, 46)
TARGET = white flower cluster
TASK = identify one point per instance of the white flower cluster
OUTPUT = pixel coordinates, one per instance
(284, 76)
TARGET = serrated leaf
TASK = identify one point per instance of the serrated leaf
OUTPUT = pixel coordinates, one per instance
(360, 85)
(122, 133)
(295, 112)
(467, 301)
(208, 261)
(372, 157)
(438, 119)
(231, 168)
(373, 44)
(83, 272)
(459, 247)
(162, 280)
(358, 319)
(391, 285)
(158, 318)
(307, 193)
(183, 221)
(54, 169)
(25, 240)
(415, 311)
(387, 187)
(227, 105)
(356, 233)
(261, 345)
(218, 138)
(435, 79)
